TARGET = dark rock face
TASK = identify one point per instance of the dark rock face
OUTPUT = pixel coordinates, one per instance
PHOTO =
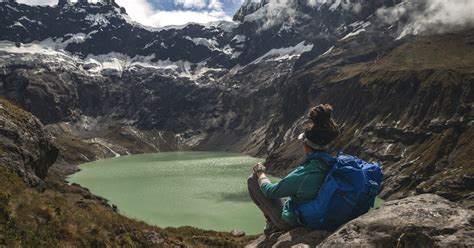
(420, 221)
(411, 117)
(24, 146)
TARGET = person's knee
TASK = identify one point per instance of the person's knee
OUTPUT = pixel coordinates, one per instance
(251, 178)
(252, 182)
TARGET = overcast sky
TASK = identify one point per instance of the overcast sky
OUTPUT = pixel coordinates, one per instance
(159, 13)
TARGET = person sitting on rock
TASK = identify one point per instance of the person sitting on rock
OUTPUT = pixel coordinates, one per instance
(300, 185)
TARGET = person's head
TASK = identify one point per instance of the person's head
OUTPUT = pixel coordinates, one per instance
(320, 130)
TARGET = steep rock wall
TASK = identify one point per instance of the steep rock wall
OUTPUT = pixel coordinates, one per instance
(25, 147)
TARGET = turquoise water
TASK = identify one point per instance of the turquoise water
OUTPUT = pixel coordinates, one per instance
(202, 189)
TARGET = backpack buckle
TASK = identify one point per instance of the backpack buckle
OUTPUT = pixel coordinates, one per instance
(373, 188)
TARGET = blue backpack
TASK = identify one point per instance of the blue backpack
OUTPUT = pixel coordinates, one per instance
(349, 191)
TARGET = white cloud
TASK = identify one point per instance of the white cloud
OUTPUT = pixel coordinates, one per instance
(349, 5)
(143, 12)
(38, 2)
(189, 4)
(274, 13)
(200, 4)
(47, 2)
(430, 16)
(166, 18)
(215, 5)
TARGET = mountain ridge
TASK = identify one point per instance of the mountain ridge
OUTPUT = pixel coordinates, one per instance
(197, 106)
(246, 87)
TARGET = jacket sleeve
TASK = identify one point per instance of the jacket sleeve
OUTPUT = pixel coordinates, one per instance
(288, 186)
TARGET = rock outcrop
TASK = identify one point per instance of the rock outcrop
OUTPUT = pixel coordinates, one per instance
(25, 147)
(421, 221)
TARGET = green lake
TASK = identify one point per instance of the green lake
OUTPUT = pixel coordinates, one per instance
(201, 189)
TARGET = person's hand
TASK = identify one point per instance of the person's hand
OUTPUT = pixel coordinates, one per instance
(259, 169)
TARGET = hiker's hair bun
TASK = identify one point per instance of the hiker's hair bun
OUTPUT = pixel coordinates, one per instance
(322, 129)
(321, 115)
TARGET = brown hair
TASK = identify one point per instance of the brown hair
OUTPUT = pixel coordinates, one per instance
(321, 129)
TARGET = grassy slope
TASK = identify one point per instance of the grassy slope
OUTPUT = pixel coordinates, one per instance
(67, 215)
(70, 216)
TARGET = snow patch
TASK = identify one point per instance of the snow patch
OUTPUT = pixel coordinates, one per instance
(286, 53)
(12, 8)
(52, 52)
(236, 55)
(98, 19)
(106, 145)
(328, 51)
(335, 5)
(75, 38)
(358, 27)
(18, 24)
(24, 18)
(46, 47)
(211, 44)
(116, 63)
(239, 38)
(352, 34)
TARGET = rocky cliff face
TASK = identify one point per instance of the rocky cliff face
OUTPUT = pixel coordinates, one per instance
(106, 86)
(246, 86)
(420, 221)
(25, 147)
(410, 108)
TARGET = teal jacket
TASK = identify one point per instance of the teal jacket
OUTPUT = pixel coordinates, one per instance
(300, 185)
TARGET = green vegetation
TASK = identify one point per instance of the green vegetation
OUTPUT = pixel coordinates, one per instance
(70, 216)
(16, 113)
(65, 216)
(74, 149)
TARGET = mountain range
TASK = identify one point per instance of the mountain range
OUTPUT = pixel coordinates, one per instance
(106, 86)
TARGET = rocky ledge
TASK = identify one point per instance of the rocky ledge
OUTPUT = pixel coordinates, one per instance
(24, 145)
(421, 221)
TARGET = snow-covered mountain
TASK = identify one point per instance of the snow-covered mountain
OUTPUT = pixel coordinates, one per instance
(93, 74)
(103, 36)
(101, 43)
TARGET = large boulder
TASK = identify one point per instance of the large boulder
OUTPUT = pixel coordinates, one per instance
(24, 145)
(420, 221)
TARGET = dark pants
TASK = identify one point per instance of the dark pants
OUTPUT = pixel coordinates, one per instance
(271, 208)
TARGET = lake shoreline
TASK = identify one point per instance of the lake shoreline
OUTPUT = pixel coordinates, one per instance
(237, 195)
